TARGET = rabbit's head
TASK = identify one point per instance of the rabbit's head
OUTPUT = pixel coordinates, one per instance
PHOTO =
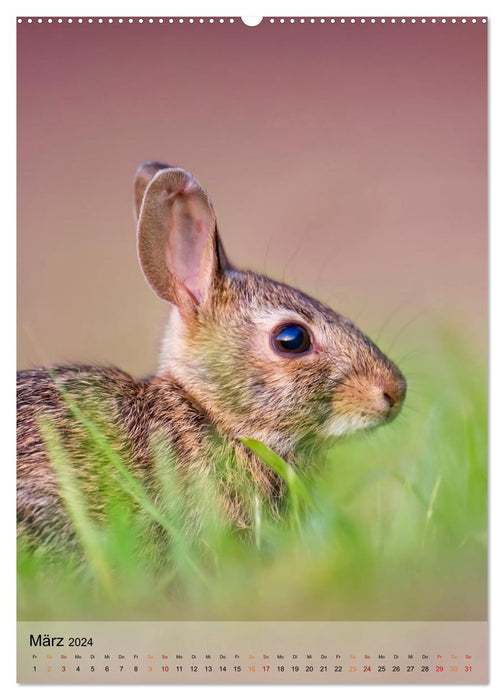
(262, 359)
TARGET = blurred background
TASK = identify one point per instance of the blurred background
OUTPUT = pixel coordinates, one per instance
(348, 160)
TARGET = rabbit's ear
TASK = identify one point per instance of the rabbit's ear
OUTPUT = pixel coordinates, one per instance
(178, 245)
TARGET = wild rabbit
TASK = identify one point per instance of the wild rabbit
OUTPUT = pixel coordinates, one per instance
(242, 356)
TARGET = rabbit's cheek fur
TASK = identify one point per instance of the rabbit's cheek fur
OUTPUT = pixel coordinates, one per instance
(232, 372)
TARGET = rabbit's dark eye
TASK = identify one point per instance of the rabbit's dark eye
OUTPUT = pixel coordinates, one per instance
(291, 339)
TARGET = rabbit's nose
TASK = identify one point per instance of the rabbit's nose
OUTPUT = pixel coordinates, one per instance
(394, 391)
(389, 399)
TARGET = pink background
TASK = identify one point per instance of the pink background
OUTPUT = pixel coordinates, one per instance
(349, 160)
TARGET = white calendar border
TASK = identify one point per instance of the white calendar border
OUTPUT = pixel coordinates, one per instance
(257, 8)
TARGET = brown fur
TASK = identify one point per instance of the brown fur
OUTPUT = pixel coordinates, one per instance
(219, 377)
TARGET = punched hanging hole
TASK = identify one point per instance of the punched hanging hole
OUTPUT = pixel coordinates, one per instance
(251, 21)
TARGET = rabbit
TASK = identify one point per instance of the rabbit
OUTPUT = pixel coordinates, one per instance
(242, 356)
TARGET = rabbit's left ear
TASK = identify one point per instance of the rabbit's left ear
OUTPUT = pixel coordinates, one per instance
(178, 244)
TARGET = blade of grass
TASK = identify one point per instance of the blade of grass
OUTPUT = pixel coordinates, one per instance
(281, 467)
(430, 509)
(295, 486)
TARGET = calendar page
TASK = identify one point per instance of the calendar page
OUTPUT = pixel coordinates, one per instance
(252, 350)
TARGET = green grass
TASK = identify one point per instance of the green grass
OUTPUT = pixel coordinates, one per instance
(392, 524)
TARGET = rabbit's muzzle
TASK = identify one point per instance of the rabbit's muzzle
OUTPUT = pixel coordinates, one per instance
(366, 400)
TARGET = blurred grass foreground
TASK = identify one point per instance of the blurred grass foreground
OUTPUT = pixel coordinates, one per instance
(391, 526)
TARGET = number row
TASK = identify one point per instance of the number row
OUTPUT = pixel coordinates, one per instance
(254, 669)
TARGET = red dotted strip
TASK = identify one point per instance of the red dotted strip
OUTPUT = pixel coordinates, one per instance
(272, 20)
